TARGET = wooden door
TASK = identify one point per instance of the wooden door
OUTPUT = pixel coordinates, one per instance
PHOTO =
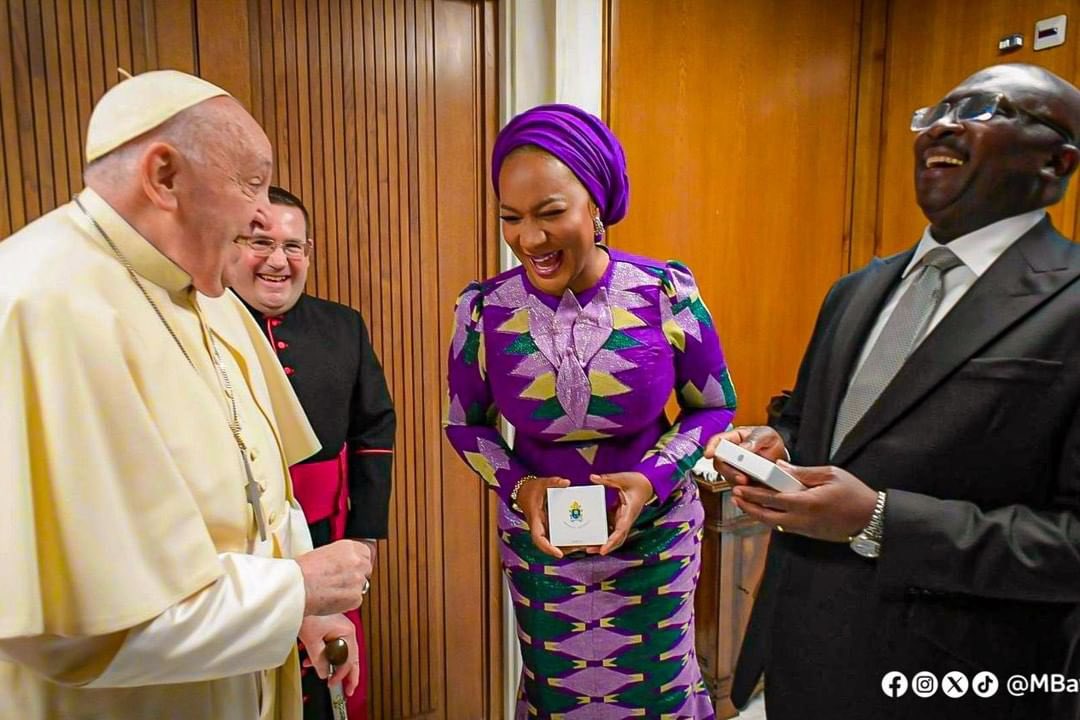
(738, 124)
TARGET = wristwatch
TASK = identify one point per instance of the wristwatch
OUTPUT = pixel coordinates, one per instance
(868, 542)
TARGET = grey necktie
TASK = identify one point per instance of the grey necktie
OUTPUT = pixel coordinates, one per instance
(897, 340)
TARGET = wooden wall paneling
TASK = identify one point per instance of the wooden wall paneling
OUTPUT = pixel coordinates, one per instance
(932, 47)
(462, 212)
(865, 178)
(224, 45)
(736, 119)
(12, 214)
(137, 19)
(409, 274)
(261, 105)
(430, 453)
(486, 92)
(100, 80)
(390, 168)
(67, 76)
(122, 30)
(52, 84)
(84, 92)
(109, 52)
(23, 107)
(328, 103)
(57, 58)
(173, 24)
(384, 632)
(365, 102)
(377, 110)
(42, 132)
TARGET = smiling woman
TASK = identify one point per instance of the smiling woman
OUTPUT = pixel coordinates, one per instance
(554, 234)
(580, 348)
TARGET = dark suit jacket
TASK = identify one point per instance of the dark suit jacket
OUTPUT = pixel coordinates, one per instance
(977, 441)
(327, 353)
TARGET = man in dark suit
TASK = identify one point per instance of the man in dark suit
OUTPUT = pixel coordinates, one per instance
(936, 424)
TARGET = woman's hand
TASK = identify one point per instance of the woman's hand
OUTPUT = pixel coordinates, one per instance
(532, 499)
(635, 491)
(315, 632)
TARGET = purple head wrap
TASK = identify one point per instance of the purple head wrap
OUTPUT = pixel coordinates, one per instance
(582, 142)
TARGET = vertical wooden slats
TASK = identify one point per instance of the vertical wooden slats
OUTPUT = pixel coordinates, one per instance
(73, 113)
(380, 113)
(346, 90)
(137, 24)
(99, 75)
(428, 478)
(11, 192)
(24, 111)
(108, 42)
(57, 58)
(52, 81)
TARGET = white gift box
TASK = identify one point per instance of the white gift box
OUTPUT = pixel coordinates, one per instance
(577, 516)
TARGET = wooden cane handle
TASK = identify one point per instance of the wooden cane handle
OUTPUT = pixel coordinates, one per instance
(337, 652)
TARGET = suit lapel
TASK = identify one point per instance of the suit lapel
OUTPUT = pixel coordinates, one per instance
(1031, 271)
(847, 337)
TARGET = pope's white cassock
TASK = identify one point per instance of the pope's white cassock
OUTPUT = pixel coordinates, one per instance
(133, 583)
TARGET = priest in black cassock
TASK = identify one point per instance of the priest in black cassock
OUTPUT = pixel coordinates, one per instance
(325, 350)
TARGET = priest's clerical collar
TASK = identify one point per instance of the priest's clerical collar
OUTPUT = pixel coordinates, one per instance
(145, 259)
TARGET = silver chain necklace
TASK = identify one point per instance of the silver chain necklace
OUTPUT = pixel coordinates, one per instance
(251, 489)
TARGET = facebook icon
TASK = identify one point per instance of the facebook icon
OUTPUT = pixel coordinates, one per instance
(894, 684)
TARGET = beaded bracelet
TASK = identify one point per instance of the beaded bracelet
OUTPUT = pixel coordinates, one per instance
(517, 488)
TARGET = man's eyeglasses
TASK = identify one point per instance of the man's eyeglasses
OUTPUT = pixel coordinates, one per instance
(979, 107)
(265, 247)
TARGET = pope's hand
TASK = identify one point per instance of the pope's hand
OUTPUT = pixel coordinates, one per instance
(335, 576)
(315, 632)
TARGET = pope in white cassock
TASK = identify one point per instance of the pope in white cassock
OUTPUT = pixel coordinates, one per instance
(153, 563)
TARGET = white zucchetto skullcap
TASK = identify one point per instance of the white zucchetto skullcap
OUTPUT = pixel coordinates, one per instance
(141, 103)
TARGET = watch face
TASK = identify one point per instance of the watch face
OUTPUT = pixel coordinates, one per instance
(866, 547)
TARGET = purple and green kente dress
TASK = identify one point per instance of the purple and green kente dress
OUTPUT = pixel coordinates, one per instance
(584, 379)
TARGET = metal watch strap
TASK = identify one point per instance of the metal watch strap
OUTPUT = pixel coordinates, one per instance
(875, 529)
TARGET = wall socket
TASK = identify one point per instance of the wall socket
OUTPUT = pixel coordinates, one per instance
(1049, 32)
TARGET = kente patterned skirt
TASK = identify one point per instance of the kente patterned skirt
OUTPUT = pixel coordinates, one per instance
(611, 637)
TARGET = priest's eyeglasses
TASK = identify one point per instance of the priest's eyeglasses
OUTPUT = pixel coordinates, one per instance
(979, 107)
(265, 247)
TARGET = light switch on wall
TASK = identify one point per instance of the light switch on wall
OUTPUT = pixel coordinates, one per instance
(1049, 32)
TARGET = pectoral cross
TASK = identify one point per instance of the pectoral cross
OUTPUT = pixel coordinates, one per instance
(254, 495)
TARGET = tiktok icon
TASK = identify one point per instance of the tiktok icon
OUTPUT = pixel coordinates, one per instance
(985, 684)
